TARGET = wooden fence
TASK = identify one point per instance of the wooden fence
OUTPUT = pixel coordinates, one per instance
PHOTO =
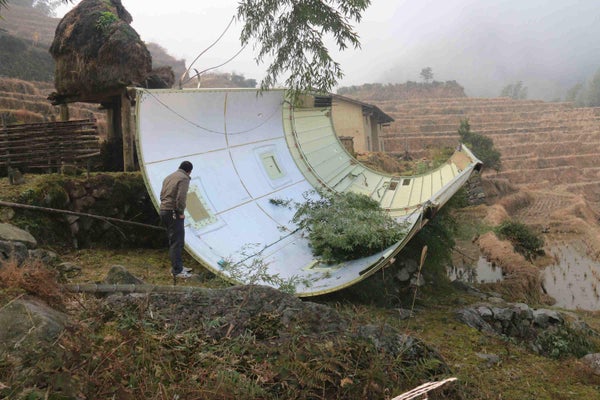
(48, 145)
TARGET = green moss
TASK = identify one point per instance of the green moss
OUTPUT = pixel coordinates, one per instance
(49, 192)
(118, 195)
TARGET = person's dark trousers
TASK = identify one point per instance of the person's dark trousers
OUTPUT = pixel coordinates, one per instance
(176, 235)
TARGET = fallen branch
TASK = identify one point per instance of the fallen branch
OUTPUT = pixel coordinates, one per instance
(79, 214)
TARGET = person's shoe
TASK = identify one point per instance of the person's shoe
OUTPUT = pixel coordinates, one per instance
(183, 275)
(186, 269)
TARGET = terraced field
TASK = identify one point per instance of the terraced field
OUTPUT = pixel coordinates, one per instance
(544, 146)
(29, 23)
(26, 102)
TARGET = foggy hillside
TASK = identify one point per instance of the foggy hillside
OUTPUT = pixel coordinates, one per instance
(484, 45)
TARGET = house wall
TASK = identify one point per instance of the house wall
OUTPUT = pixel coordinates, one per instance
(348, 120)
(375, 131)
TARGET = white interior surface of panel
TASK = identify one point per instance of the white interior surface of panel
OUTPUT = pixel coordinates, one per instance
(247, 149)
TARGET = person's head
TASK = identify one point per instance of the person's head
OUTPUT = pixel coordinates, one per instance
(186, 166)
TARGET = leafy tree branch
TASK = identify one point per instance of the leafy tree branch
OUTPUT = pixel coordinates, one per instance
(291, 32)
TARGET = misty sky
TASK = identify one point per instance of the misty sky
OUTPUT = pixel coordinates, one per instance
(550, 45)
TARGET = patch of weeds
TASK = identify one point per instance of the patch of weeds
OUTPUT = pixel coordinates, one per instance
(564, 342)
(523, 238)
(265, 325)
(253, 270)
(105, 22)
(440, 156)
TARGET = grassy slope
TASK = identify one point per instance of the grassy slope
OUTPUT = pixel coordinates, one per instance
(519, 375)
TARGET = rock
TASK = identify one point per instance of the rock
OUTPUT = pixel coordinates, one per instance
(101, 193)
(69, 270)
(523, 312)
(417, 280)
(474, 320)
(25, 325)
(45, 256)
(119, 275)
(404, 313)
(83, 203)
(75, 190)
(14, 250)
(11, 233)
(403, 275)
(6, 214)
(485, 312)
(543, 317)
(592, 361)
(490, 359)
(503, 314)
(410, 265)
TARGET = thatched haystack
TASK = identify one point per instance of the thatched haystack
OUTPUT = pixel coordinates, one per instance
(97, 53)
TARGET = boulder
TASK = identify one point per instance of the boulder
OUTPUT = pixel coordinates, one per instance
(543, 317)
(14, 250)
(119, 275)
(11, 233)
(472, 318)
(27, 324)
(592, 361)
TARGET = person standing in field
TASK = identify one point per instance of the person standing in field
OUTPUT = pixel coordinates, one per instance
(172, 206)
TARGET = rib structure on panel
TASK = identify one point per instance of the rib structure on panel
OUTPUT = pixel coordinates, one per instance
(248, 149)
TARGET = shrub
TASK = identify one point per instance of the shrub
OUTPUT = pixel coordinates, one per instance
(482, 146)
(524, 239)
(346, 226)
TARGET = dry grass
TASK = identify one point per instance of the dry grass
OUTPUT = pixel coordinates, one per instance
(515, 202)
(18, 86)
(522, 279)
(33, 278)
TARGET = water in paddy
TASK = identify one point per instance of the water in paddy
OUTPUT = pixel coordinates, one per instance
(574, 280)
(482, 272)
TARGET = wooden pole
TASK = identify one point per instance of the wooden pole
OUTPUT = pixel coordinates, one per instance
(110, 126)
(6, 139)
(127, 123)
(64, 112)
(131, 288)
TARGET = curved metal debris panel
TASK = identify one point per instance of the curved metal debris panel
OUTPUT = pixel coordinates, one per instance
(248, 149)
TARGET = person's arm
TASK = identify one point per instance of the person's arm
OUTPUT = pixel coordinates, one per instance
(182, 190)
